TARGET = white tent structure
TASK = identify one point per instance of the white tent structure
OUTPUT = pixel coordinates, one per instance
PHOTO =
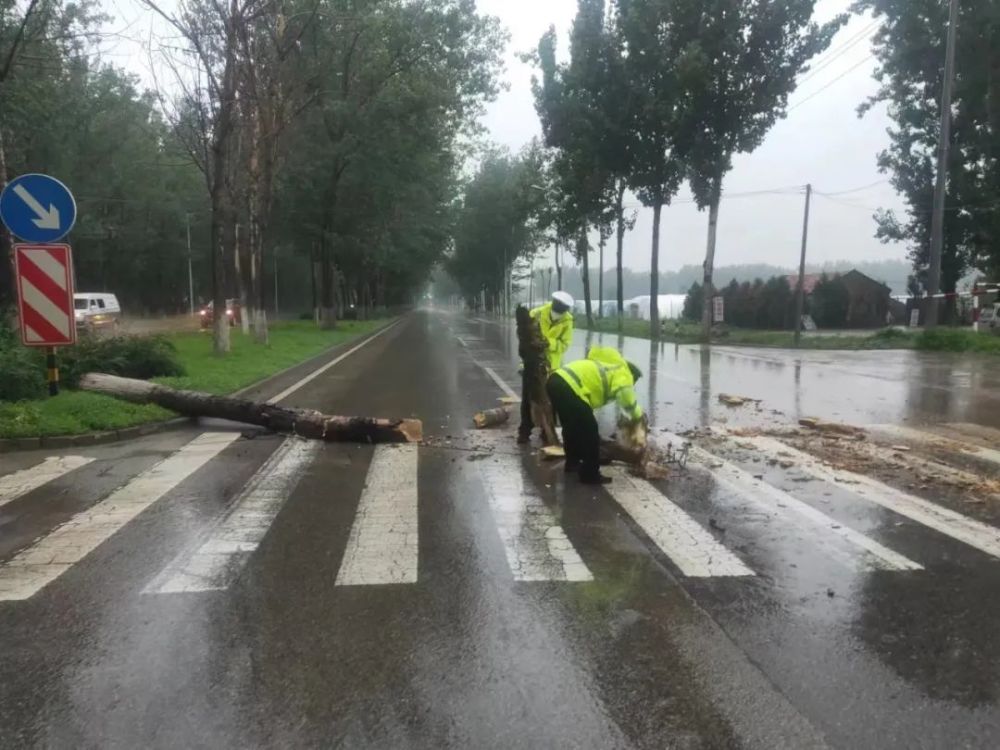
(671, 306)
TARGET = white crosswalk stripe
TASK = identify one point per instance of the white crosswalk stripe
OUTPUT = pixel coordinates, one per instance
(35, 567)
(217, 562)
(691, 548)
(817, 524)
(974, 533)
(382, 548)
(383, 544)
(536, 545)
(22, 482)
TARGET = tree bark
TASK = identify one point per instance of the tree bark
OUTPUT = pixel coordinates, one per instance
(6, 248)
(558, 270)
(220, 147)
(600, 278)
(532, 349)
(302, 422)
(654, 271)
(620, 238)
(713, 223)
(584, 252)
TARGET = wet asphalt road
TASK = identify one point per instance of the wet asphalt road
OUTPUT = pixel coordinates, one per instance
(588, 634)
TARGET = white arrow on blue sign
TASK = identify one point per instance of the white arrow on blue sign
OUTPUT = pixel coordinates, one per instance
(37, 208)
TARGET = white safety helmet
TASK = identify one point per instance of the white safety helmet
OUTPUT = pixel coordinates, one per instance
(562, 302)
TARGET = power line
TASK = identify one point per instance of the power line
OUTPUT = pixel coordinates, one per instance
(857, 189)
(840, 51)
(828, 85)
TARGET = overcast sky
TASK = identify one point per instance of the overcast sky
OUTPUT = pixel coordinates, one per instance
(822, 141)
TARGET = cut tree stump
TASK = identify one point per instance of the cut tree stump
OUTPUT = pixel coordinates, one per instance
(491, 417)
(303, 422)
(533, 350)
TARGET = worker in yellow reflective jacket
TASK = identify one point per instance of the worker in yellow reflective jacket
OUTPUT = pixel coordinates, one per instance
(580, 387)
(555, 319)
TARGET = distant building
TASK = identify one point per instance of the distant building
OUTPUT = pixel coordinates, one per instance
(869, 301)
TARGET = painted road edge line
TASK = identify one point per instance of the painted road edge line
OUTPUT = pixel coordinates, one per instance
(20, 483)
(691, 548)
(383, 543)
(323, 368)
(948, 522)
(38, 565)
(223, 552)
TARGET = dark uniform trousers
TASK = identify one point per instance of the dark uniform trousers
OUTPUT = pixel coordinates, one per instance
(581, 437)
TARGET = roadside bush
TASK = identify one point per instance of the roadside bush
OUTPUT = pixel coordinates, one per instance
(22, 370)
(128, 356)
(693, 303)
(957, 340)
(829, 302)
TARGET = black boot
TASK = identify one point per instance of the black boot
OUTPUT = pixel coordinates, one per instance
(594, 479)
(572, 465)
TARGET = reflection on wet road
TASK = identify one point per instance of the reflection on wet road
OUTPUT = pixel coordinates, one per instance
(198, 589)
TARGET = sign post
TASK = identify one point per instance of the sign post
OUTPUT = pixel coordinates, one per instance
(718, 309)
(40, 210)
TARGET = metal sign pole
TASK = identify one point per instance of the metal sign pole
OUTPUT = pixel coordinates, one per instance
(52, 370)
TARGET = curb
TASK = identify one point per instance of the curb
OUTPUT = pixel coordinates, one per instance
(12, 445)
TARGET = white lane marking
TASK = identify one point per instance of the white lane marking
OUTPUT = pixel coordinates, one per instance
(24, 481)
(682, 539)
(320, 370)
(536, 545)
(771, 498)
(979, 535)
(934, 438)
(499, 381)
(218, 561)
(383, 547)
(35, 567)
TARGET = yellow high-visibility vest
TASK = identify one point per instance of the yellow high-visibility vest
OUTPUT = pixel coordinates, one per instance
(601, 378)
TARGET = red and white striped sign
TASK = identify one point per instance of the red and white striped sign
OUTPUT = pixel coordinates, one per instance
(45, 294)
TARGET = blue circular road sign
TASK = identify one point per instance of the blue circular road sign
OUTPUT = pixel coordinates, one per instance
(37, 208)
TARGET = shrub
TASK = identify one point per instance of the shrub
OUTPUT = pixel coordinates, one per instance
(127, 356)
(22, 370)
(829, 303)
(957, 340)
(693, 303)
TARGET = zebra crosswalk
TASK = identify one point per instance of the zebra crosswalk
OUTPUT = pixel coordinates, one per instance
(384, 545)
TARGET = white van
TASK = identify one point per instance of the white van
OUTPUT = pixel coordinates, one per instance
(96, 311)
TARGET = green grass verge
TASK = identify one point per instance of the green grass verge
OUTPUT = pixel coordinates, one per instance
(690, 333)
(77, 412)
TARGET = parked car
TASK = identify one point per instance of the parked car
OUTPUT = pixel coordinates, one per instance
(96, 311)
(233, 312)
(989, 318)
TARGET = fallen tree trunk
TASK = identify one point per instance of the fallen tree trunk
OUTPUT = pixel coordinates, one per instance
(303, 422)
(533, 349)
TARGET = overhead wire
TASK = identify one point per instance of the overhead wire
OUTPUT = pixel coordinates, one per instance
(830, 83)
(835, 54)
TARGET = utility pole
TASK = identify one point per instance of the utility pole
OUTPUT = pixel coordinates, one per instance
(275, 282)
(187, 221)
(944, 147)
(800, 289)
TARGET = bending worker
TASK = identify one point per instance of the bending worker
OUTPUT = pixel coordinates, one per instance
(579, 388)
(556, 322)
